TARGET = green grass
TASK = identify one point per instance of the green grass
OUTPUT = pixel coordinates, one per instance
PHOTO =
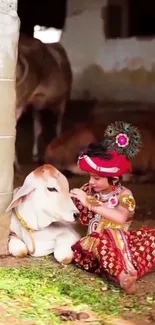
(32, 292)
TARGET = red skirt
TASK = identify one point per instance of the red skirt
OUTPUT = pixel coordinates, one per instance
(113, 250)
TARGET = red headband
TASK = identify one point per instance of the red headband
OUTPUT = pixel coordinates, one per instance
(116, 166)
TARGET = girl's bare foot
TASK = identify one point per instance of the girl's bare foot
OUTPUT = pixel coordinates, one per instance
(128, 282)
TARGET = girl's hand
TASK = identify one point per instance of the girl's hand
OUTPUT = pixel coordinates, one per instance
(80, 195)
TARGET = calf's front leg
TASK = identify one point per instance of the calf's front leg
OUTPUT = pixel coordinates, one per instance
(17, 247)
(63, 252)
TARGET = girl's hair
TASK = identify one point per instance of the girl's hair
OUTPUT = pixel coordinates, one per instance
(97, 149)
(114, 181)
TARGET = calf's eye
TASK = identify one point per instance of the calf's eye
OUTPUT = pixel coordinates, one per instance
(52, 189)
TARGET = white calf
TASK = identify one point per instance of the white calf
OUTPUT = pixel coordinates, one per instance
(43, 216)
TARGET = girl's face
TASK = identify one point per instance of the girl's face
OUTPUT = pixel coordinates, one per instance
(99, 183)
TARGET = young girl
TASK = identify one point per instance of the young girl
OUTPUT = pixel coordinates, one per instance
(108, 208)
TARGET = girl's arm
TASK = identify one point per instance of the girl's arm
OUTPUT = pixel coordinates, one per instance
(85, 215)
(119, 214)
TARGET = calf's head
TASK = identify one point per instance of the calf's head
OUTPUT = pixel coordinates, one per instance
(46, 192)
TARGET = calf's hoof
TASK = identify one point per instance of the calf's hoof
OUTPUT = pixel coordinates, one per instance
(17, 248)
(67, 260)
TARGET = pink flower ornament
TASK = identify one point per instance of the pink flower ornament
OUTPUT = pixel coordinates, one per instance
(113, 201)
(122, 140)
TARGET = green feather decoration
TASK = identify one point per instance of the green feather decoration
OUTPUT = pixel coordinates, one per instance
(134, 143)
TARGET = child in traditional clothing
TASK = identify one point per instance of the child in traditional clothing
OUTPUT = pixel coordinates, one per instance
(108, 208)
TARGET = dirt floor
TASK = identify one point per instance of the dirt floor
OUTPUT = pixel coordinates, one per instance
(144, 193)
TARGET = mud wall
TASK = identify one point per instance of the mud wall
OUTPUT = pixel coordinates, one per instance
(107, 69)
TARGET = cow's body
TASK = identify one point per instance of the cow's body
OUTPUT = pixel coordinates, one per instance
(44, 80)
(63, 151)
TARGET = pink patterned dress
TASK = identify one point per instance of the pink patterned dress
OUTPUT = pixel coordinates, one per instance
(109, 248)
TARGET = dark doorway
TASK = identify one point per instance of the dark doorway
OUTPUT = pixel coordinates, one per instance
(129, 18)
(141, 18)
(48, 13)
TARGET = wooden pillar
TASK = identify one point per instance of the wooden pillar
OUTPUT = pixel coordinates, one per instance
(9, 34)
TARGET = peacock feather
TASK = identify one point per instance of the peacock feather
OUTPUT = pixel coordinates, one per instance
(123, 137)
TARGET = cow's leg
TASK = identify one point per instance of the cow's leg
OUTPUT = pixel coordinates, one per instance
(16, 163)
(19, 112)
(60, 117)
(17, 247)
(37, 129)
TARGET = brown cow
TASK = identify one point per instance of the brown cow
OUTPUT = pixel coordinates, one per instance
(44, 79)
(63, 151)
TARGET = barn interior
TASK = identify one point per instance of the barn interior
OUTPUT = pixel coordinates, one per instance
(124, 91)
(82, 110)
